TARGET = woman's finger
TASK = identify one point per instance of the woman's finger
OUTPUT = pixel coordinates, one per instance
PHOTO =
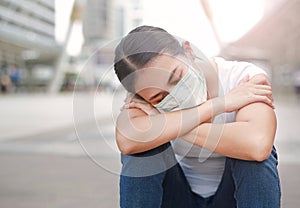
(257, 86)
(262, 92)
(245, 79)
(137, 100)
(133, 105)
(125, 106)
(138, 105)
(265, 99)
(147, 108)
(260, 79)
(267, 87)
(129, 97)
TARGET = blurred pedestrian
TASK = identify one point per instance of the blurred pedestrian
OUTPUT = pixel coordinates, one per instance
(5, 80)
(297, 81)
(5, 83)
(15, 77)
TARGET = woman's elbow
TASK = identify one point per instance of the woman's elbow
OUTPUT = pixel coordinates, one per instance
(262, 155)
(262, 150)
(125, 147)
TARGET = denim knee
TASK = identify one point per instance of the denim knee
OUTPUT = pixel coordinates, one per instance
(148, 163)
(143, 175)
(141, 191)
(269, 165)
(256, 184)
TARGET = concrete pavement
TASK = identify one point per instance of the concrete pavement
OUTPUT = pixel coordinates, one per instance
(50, 159)
(52, 165)
(29, 114)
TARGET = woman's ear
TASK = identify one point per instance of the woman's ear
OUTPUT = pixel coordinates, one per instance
(188, 49)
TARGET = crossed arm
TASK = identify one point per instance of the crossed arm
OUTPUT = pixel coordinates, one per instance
(251, 137)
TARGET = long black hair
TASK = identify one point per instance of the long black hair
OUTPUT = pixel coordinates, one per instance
(138, 48)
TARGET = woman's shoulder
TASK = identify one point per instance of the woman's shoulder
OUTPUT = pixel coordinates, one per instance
(236, 70)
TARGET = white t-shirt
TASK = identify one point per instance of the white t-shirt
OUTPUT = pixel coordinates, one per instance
(202, 168)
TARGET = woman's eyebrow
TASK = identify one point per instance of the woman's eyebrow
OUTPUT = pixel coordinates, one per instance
(172, 75)
(169, 81)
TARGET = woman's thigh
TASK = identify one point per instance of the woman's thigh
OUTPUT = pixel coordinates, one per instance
(250, 184)
(154, 179)
(142, 176)
(224, 196)
(141, 191)
(177, 192)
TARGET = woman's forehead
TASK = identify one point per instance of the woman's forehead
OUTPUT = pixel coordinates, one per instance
(154, 75)
(151, 77)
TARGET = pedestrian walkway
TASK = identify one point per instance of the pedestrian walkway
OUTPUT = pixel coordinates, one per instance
(288, 132)
(48, 157)
(24, 115)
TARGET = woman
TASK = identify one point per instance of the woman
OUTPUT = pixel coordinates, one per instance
(226, 158)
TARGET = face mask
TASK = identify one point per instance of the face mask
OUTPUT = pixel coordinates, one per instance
(190, 91)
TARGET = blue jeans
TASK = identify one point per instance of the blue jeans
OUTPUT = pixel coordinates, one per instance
(154, 179)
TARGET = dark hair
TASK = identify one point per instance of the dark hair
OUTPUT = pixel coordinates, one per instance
(138, 48)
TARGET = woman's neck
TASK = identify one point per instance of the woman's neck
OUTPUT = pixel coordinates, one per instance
(210, 71)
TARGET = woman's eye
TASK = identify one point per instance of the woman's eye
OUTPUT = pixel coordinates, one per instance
(177, 79)
(160, 98)
(157, 101)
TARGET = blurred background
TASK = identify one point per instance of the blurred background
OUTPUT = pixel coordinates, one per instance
(59, 96)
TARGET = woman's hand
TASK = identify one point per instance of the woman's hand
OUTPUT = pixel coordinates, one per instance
(257, 89)
(133, 102)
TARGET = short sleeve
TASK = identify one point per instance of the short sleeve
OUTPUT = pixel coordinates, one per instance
(237, 70)
(243, 69)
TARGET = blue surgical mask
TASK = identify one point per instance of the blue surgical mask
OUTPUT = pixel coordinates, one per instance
(190, 91)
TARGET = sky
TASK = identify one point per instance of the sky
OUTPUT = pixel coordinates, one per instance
(62, 20)
(186, 19)
(62, 14)
(233, 18)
